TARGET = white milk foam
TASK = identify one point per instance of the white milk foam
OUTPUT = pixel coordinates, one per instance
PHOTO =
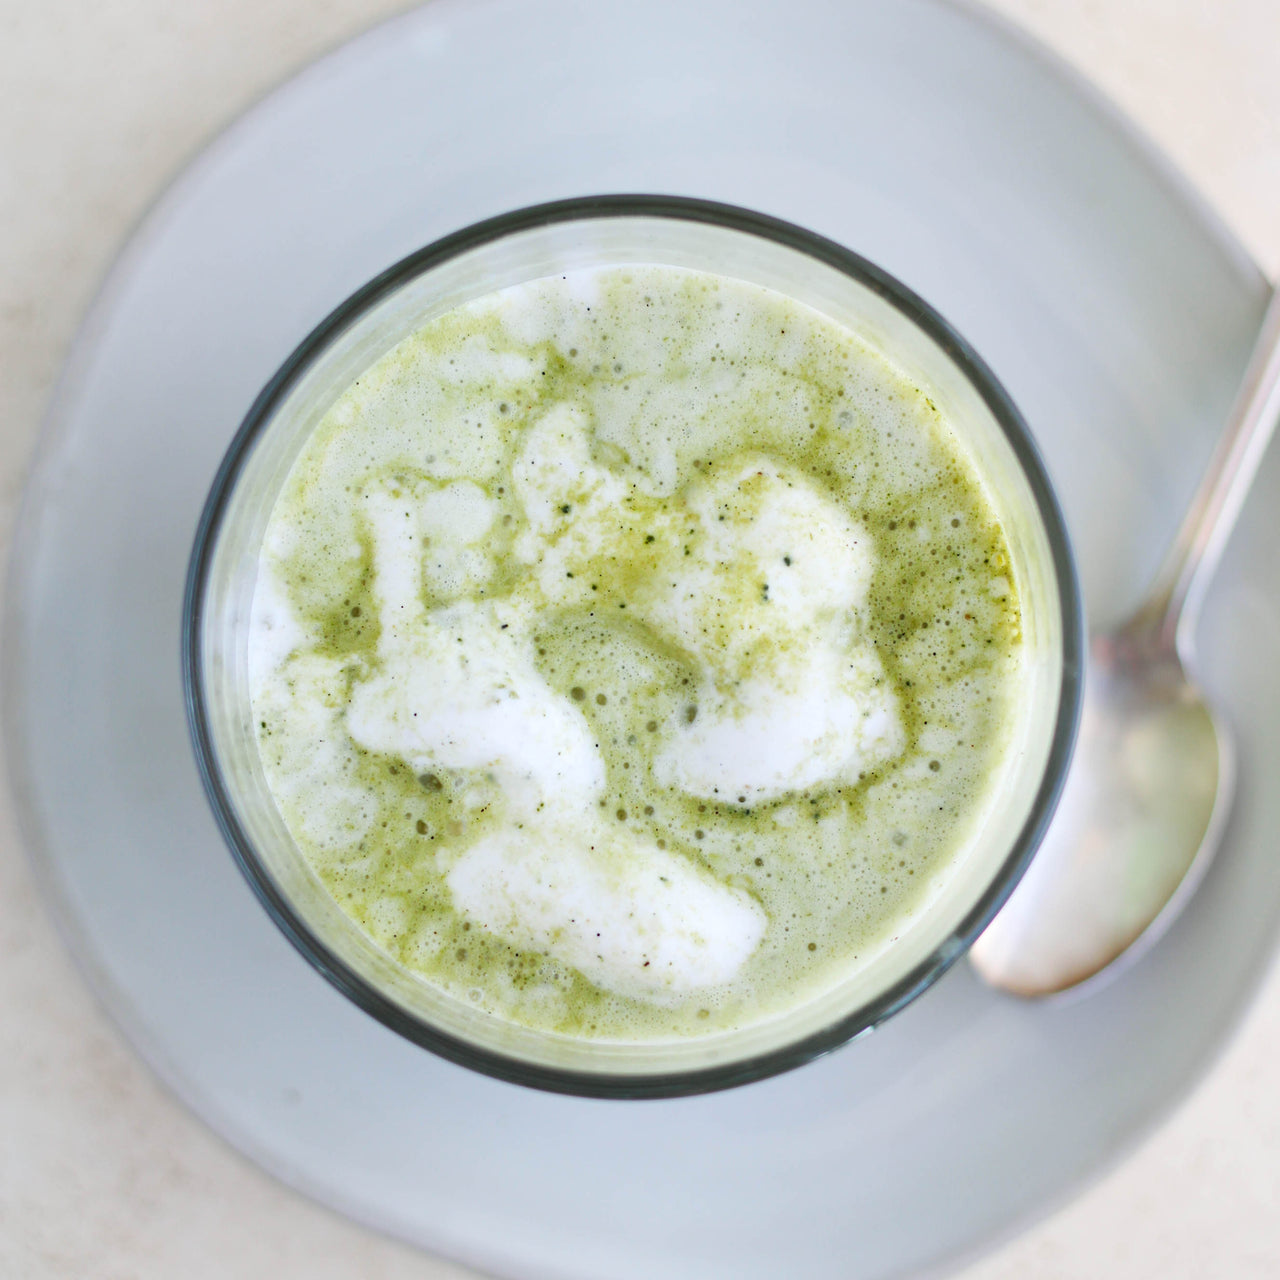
(457, 689)
(751, 573)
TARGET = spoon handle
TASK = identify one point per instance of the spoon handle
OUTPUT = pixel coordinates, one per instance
(1167, 621)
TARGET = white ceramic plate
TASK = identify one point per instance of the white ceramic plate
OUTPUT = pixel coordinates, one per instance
(1115, 310)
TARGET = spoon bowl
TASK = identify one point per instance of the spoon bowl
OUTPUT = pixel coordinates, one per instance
(1140, 818)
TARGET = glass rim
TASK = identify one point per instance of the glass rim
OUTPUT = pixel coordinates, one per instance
(856, 1022)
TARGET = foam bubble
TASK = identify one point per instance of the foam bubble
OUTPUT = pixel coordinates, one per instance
(629, 916)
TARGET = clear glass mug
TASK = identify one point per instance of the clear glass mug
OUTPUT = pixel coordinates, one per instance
(510, 250)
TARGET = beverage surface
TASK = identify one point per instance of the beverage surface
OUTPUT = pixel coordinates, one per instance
(633, 653)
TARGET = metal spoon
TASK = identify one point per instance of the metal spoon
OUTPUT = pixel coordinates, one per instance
(1152, 777)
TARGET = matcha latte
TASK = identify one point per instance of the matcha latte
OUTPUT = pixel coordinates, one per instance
(635, 654)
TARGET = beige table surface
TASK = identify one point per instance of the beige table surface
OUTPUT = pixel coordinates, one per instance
(102, 1174)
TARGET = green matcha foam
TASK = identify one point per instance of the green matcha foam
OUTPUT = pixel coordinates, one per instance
(632, 652)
